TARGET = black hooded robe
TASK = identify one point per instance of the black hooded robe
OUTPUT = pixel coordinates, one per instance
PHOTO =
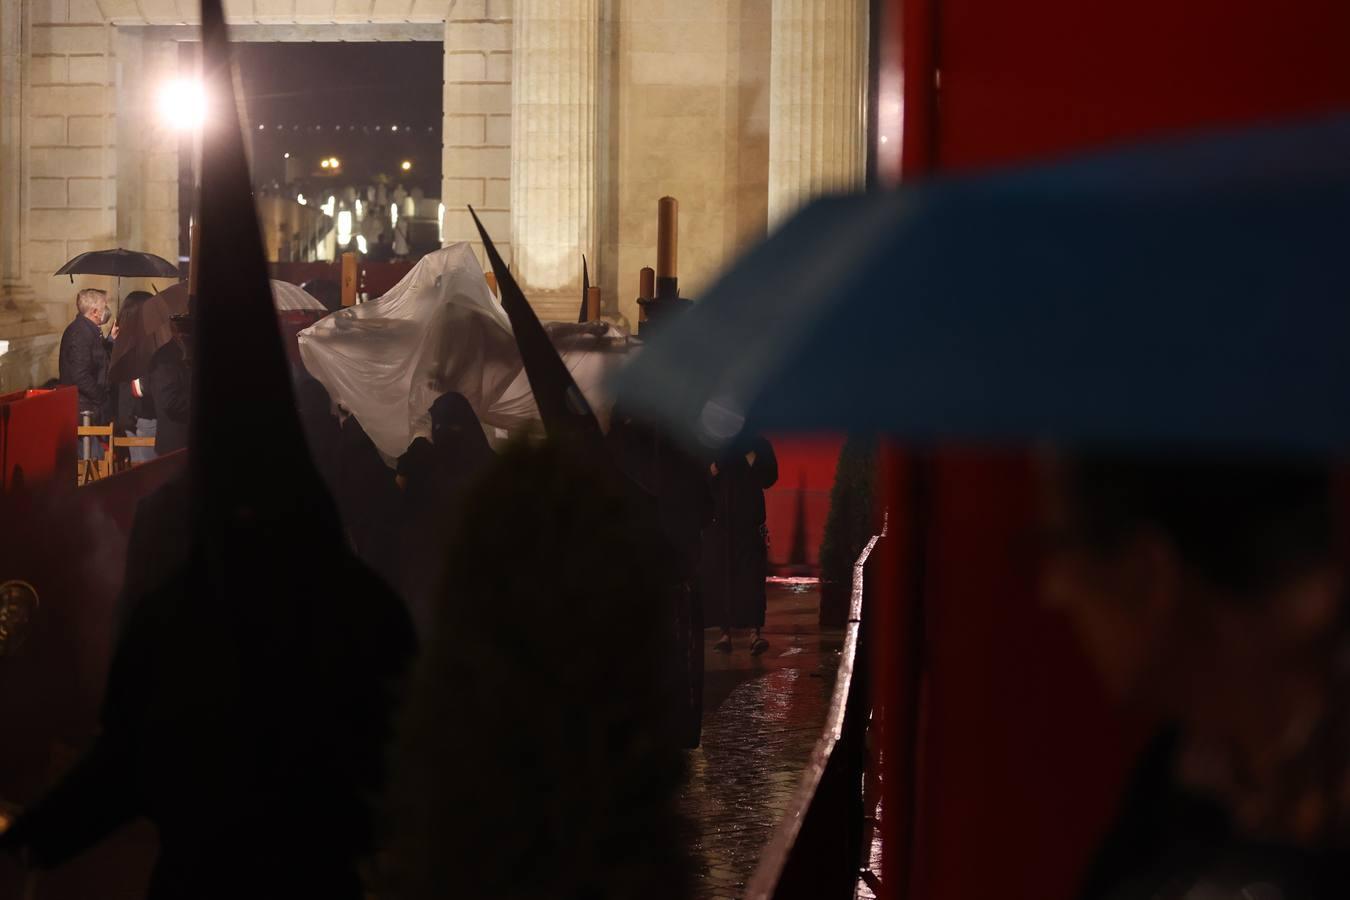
(735, 545)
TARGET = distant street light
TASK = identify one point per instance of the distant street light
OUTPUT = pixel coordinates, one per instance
(323, 163)
(182, 104)
(406, 166)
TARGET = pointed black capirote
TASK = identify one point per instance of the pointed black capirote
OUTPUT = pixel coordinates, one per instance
(585, 290)
(249, 457)
(562, 407)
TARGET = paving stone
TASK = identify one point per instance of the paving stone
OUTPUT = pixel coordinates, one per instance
(762, 717)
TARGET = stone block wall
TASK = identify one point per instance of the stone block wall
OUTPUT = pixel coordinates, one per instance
(476, 156)
(71, 141)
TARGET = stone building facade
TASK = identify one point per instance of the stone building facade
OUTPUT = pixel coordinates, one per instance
(564, 122)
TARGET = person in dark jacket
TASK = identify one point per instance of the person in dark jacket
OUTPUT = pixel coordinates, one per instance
(84, 362)
(435, 476)
(170, 381)
(367, 500)
(135, 407)
(321, 428)
(1210, 596)
(736, 544)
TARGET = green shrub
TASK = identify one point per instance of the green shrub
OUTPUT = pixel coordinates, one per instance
(850, 523)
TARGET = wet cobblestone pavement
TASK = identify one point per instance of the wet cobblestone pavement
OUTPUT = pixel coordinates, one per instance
(762, 715)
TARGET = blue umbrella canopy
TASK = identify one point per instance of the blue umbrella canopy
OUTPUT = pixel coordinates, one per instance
(1187, 293)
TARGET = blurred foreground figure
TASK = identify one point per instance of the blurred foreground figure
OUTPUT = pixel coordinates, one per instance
(673, 491)
(1211, 598)
(567, 785)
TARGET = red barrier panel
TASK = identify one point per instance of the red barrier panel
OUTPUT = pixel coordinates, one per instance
(37, 440)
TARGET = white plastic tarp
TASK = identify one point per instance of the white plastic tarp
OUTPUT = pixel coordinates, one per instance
(287, 297)
(441, 329)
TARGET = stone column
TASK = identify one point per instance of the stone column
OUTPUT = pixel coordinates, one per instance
(553, 141)
(27, 339)
(11, 148)
(817, 101)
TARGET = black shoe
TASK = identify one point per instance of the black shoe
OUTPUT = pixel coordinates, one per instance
(723, 644)
(758, 646)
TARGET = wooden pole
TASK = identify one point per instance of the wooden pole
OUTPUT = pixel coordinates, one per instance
(667, 240)
(349, 276)
(593, 304)
(646, 290)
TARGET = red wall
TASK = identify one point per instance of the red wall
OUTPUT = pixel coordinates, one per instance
(1000, 756)
(1035, 79)
(805, 468)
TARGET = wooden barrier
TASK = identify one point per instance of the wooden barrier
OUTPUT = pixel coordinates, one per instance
(93, 469)
(816, 850)
(37, 440)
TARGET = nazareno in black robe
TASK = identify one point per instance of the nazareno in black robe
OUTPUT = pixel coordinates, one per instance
(736, 544)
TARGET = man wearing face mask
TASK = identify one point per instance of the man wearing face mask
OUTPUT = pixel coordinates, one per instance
(84, 362)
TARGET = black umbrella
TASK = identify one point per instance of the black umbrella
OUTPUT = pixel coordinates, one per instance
(120, 264)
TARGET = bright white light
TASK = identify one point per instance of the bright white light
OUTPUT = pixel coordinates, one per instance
(406, 166)
(329, 206)
(440, 223)
(323, 164)
(182, 104)
(344, 227)
(359, 214)
(300, 198)
(393, 214)
(361, 243)
(285, 156)
(333, 162)
(393, 128)
(884, 139)
(4, 347)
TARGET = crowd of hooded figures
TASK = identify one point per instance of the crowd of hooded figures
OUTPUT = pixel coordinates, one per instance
(333, 676)
(279, 747)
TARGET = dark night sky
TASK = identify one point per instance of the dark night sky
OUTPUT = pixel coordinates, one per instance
(343, 99)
